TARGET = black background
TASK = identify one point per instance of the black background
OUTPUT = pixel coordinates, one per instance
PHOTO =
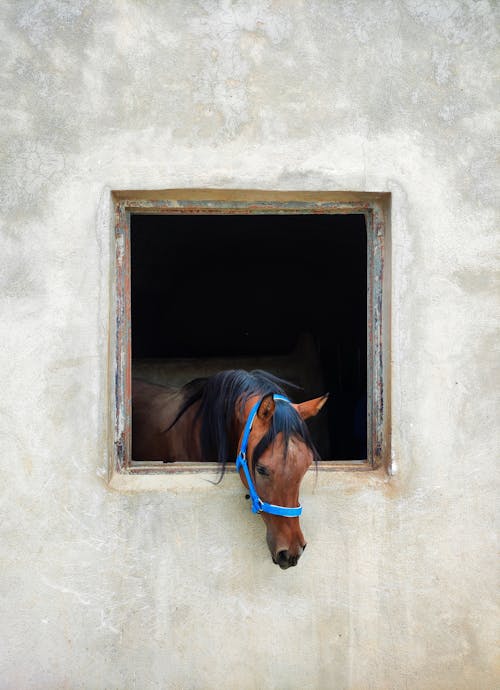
(231, 285)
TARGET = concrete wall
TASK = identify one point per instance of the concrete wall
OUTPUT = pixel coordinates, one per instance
(175, 589)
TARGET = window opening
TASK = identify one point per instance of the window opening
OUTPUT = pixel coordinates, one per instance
(296, 287)
(283, 292)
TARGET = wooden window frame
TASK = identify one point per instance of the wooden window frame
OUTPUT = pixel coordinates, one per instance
(376, 209)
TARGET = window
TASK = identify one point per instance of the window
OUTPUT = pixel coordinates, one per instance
(293, 283)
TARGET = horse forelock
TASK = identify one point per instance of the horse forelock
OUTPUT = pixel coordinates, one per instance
(287, 422)
(221, 403)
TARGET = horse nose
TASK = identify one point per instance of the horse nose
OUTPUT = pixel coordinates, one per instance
(285, 559)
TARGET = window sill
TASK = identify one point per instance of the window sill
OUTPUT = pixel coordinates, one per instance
(156, 476)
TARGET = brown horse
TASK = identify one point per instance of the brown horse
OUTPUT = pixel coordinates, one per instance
(207, 419)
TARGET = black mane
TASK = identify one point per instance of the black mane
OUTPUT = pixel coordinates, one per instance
(220, 394)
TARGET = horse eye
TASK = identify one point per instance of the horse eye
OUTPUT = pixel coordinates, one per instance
(262, 470)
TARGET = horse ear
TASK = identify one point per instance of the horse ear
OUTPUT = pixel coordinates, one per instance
(310, 408)
(266, 408)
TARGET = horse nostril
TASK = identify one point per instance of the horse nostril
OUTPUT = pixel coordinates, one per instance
(282, 559)
(286, 560)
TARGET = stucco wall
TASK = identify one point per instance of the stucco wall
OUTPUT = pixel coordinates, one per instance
(175, 589)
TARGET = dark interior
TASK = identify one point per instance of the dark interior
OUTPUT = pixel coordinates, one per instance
(249, 285)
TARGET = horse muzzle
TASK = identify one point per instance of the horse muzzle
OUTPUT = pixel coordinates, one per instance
(286, 559)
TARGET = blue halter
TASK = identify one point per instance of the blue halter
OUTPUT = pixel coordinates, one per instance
(258, 505)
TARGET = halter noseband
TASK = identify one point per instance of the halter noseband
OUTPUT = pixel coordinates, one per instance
(258, 505)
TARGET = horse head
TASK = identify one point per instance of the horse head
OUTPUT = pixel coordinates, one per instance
(280, 451)
(242, 414)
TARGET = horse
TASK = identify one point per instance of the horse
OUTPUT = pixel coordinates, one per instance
(235, 415)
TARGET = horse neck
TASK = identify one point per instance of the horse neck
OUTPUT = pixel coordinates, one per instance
(221, 436)
(185, 435)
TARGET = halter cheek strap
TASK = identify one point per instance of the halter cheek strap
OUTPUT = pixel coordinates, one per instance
(258, 505)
